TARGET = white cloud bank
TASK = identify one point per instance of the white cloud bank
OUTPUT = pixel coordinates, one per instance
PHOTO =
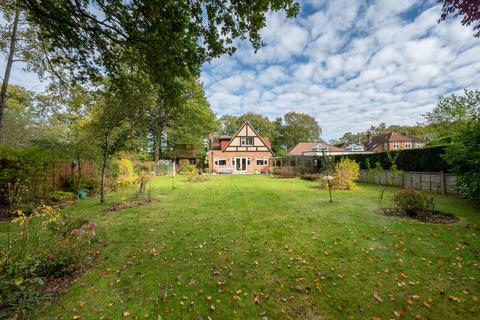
(349, 64)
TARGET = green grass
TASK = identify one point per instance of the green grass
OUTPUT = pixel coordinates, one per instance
(248, 247)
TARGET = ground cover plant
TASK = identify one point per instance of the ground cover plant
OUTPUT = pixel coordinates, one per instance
(246, 247)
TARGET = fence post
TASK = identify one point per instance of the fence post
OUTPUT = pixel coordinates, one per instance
(443, 182)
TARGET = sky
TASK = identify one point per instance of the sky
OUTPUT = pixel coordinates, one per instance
(349, 63)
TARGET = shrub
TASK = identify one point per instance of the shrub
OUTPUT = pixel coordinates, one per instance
(311, 176)
(65, 224)
(188, 168)
(66, 256)
(284, 172)
(127, 177)
(30, 257)
(464, 156)
(92, 185)
(24, 174)
(414, 203)
(345, 175)
(193, 175)
(61, 196)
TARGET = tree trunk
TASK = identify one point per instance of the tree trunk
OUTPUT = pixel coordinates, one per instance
(104, 168)
(8, 67)
(142, 186)
(79, 174)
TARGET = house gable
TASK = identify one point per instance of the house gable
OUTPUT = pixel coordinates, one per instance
(247, 139)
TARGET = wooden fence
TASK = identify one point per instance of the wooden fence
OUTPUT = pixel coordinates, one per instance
(437, 182)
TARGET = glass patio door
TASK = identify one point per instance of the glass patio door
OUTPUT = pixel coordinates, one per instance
(241, 164)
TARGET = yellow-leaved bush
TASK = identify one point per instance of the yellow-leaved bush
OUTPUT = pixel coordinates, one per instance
(345, 175)
(127, 177)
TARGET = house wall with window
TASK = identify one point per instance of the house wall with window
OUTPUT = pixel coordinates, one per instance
(224, 162)
(245, 152)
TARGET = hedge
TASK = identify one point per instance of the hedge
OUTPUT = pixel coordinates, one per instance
(428, 159)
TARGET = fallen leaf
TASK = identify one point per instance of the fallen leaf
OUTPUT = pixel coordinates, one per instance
(126, 313)
(398, 312)
(453, 298)
(377, 297)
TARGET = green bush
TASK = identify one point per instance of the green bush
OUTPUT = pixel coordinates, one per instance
(92, 185)
(61, 196)
(414, 203)
(464, 156)
(24, 174)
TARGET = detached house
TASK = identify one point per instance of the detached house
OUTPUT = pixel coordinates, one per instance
(392, 141)
(244, 152)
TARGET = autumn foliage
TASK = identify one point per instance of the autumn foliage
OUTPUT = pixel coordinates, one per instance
(345, 175)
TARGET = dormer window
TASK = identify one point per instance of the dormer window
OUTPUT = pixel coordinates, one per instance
(246, 141)
(320, 147)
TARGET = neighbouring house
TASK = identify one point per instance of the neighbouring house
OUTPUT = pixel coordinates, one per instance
(391, 141)
(184, 153)
(244, 152)
(314, 148)
(355, 147)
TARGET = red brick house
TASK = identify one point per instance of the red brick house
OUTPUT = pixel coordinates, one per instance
(245, 152)
(391, 141)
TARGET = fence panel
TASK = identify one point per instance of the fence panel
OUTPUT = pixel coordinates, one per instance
(436, 182)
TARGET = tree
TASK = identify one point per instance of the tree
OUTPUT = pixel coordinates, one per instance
(263, 125)
(299, 127)
(119, 117)
(20, 41)
(453, 113)
(194, 119)
(91, 39)
(468, 9)
(455, 108)
(69, 115)
(463, 154)
(8, 66)
(21, 125)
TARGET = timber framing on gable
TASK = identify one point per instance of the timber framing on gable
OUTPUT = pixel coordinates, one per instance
(262, 146)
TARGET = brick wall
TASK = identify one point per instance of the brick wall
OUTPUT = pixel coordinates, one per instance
(252, 168)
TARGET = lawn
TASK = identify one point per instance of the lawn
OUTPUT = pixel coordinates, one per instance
(258, 247)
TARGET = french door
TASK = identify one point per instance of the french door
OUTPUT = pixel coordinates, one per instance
(240, 164)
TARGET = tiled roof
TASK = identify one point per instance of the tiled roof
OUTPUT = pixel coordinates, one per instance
(267, 142)
(302, 147)
(390, 137)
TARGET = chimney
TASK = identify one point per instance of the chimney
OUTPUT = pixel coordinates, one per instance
(369, 137)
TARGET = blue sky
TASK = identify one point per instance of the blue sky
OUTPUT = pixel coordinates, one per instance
(350, 64)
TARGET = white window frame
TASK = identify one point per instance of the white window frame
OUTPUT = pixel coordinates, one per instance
(264, 161)
(396, 145)
(417, 144)
(243, 141)
(408, 145)
(217, 160)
